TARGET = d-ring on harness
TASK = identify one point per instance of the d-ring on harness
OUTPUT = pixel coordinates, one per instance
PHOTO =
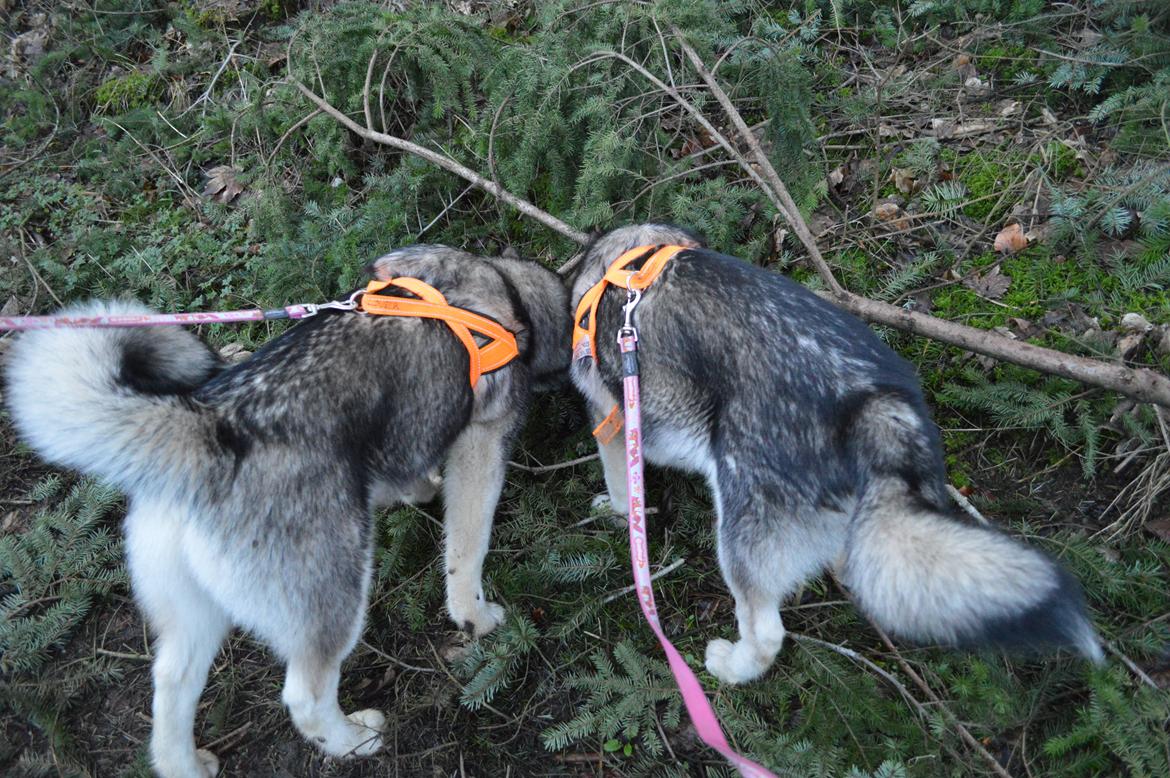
(698, 707)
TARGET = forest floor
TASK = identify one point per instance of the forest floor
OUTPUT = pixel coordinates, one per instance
(947, 164)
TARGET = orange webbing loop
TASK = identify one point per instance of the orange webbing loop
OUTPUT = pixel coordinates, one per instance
(497, 352)
(617, 274)
(610, 426)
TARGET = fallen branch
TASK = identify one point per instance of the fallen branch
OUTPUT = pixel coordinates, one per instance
(661, 572)
(790, 212)
(551, 468)
(1139, 383)
(448, 164)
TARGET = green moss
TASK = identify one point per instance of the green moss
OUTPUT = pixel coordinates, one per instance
(1062, 160)
(125, 93)
(985, 178)
(1005, 61)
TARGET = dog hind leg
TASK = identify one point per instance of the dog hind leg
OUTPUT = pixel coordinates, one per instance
(764, 558)
(189, 628)
(310, 693)
(757, 613)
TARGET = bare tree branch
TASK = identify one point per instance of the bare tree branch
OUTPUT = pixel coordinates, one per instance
(789, 210)
(1138, 383)
(448, 164)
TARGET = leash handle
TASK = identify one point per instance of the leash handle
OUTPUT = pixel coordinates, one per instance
(698, 707)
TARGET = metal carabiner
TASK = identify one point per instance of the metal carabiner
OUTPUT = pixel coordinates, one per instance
(633, 297)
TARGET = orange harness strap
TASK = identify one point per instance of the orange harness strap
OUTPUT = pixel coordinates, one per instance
(585, 335)
(497, 352)
(617, 274)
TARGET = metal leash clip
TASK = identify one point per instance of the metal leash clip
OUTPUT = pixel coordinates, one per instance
(633, 297)
(351, 304)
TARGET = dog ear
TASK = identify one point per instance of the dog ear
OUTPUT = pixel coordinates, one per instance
(382, 268)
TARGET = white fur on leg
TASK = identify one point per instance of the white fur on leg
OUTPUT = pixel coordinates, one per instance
(613, 463)
(310, 692)
(472, 484)
(761, 636)
(189, 626)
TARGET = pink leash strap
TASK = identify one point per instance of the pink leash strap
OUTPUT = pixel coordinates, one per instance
(699, 709)
(161, 319)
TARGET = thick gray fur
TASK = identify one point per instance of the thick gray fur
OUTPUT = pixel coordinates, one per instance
(820, 453)
(252, 486)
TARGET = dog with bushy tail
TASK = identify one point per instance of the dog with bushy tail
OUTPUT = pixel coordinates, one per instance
(820, 454)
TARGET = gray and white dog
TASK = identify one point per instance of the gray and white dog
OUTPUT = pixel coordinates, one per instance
(819, 452)
(251, 486)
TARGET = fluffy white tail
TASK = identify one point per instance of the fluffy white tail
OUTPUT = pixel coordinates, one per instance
(110, 402)
(932, 577)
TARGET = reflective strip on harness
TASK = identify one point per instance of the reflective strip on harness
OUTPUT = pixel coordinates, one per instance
(497, 352)
(617, 274)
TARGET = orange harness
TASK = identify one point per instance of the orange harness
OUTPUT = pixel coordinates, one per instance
(497, 352)
(585, 334)
(617, 274)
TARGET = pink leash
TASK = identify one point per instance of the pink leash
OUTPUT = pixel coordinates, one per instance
(699, 709)
(161, 319)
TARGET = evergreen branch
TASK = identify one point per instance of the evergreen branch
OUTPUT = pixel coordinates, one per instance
(446, 163)
(789, 210)
(964, 733)
(1138, 383)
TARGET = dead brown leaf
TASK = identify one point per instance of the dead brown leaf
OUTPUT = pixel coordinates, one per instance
(222, 185)
(887, 211)
(1011, 240)
(1128, 345)
(992, 285)
(906, 180)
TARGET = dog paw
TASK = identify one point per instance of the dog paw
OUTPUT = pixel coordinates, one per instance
(208, 761)
(732, 662)
(481, 620)
(173, 763)
(603, 503)
(370, 725)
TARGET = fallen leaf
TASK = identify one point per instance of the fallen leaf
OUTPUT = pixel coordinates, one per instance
(992, 285)
(1135, 322)
(1011, 240)
(906, 180)
(836, 176)
(222, 185)
(886, 211)
(976, 85)
(1008, 108)
(1164, 341)
(1127, 345)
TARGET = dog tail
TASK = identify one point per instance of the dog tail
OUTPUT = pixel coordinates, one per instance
(113, 403)
(924, 573)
